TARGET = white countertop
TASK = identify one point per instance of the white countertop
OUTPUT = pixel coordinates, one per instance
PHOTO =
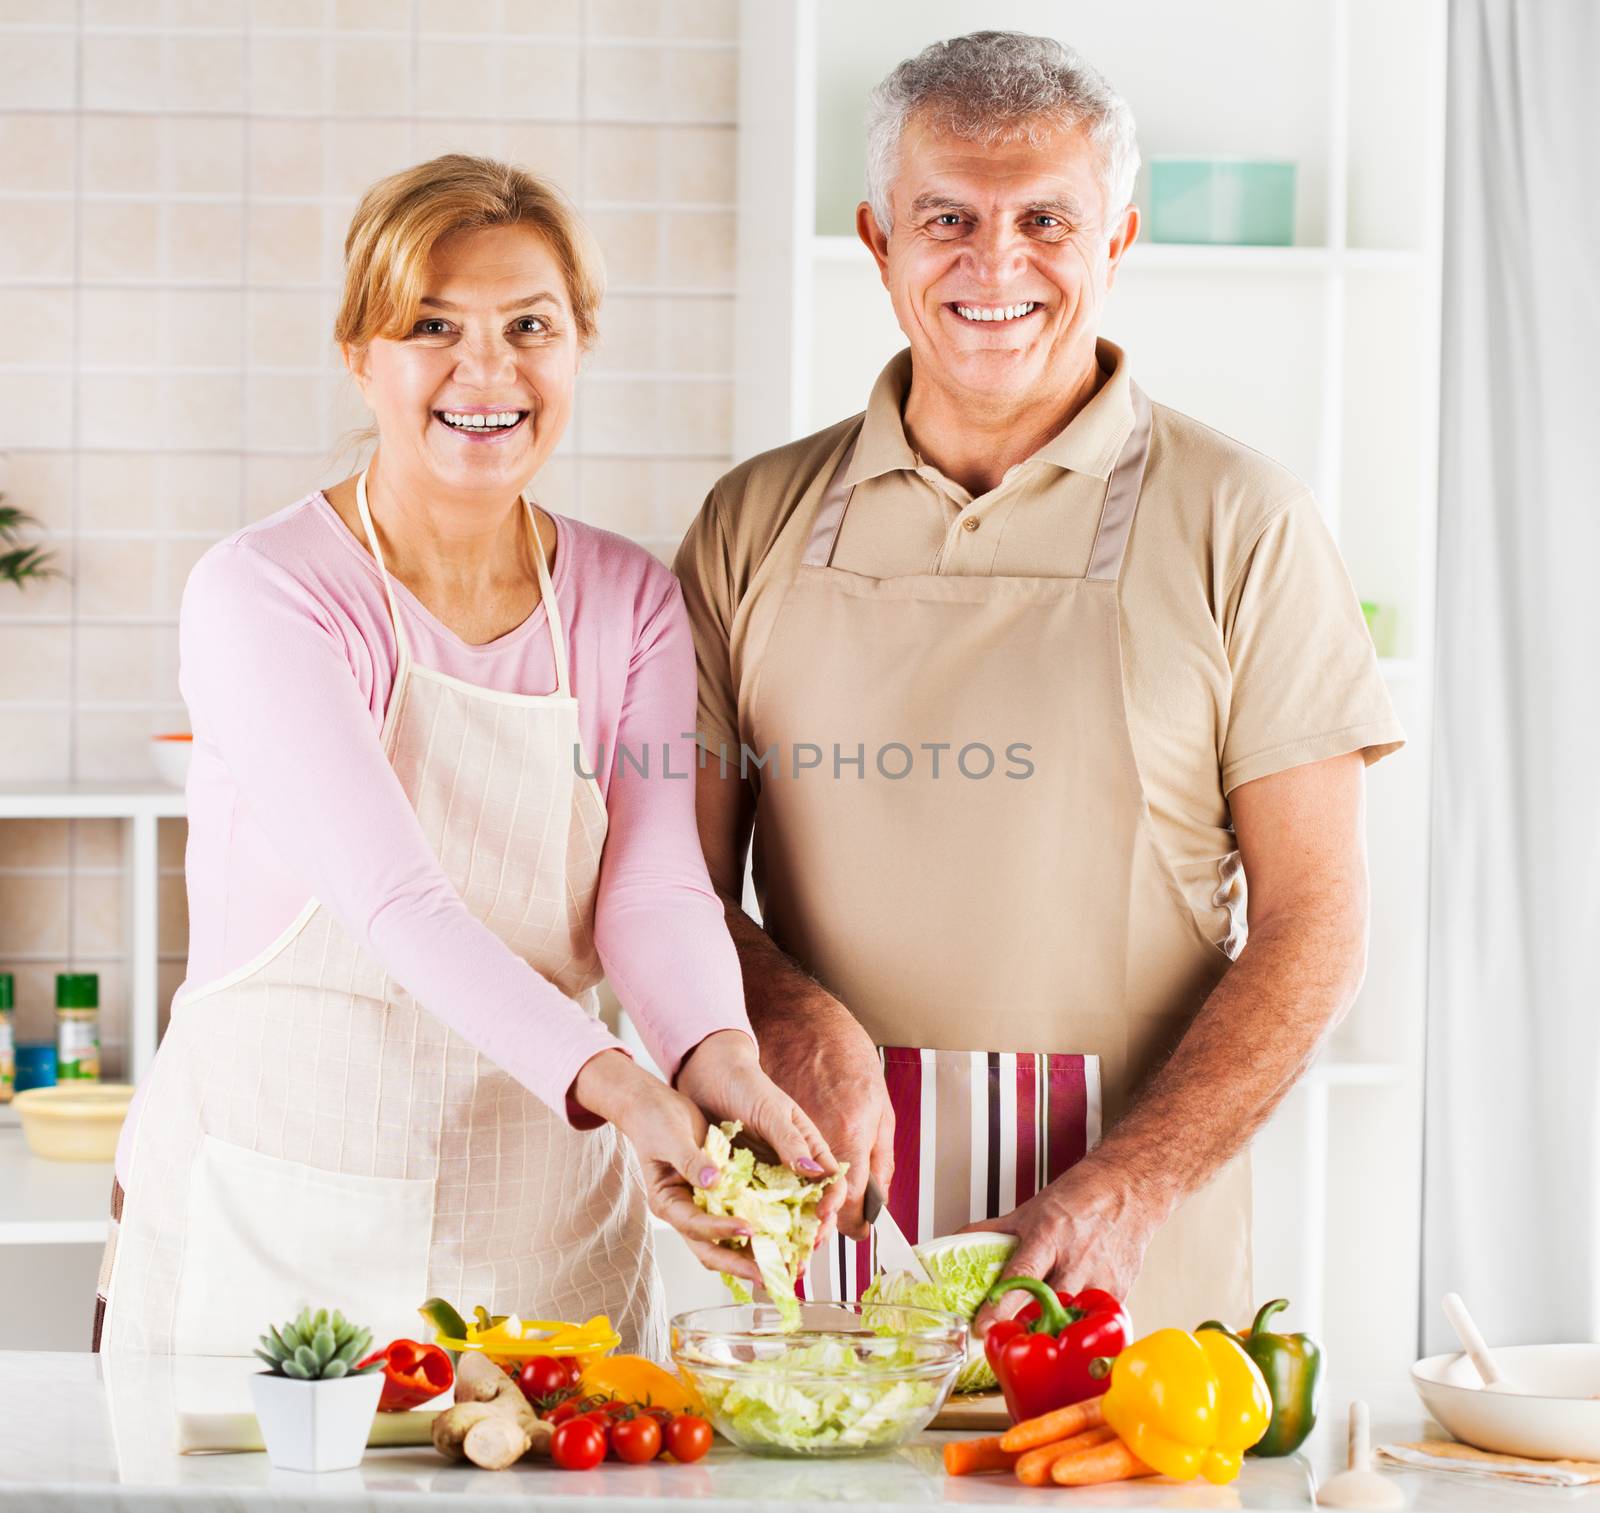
(87, 1433)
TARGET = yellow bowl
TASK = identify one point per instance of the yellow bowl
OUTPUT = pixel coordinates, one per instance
(74, 1122)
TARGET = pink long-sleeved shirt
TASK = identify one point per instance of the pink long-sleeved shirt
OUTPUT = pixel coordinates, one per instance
(287, 657)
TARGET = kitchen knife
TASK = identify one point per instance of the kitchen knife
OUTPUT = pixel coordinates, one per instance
(894, 1250)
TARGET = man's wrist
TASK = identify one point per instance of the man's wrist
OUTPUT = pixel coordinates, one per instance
(1133, 1187)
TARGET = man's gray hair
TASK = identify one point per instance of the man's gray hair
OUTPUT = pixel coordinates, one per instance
(993, 87)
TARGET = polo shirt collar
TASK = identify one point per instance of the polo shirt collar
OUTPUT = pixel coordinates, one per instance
(1090, 443)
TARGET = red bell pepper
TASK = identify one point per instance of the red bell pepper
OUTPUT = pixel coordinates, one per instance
(1058, 1350)
(412, 1374)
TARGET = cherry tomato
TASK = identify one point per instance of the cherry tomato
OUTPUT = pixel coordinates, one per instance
(636, 1440)
(688, 1437)
(565, 1409)
(662, 1416)
(578, 1445)
(542, 1376)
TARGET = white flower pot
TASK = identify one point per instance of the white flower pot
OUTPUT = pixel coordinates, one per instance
(316, 1426)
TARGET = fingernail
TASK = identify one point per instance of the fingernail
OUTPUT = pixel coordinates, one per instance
(808, 1166)
(744, 1234)
(708, 1175)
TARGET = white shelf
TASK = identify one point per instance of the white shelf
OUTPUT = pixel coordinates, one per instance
(85, 801)
(50, 1202)
(1180, 257)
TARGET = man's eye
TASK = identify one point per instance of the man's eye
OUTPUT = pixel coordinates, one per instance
(949, 218)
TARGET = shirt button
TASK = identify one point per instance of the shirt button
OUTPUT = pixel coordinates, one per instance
(970, 523)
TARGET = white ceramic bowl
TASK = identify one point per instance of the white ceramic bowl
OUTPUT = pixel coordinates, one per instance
(74, 1121)
(171, 754)
(1558, 1420)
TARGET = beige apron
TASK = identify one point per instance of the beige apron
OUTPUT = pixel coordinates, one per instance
(312, 1135)
(1003, 924)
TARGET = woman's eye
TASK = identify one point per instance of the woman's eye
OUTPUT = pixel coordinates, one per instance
(431, 327)
(531, 325)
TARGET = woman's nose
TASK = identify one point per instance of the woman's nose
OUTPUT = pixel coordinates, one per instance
(482, 364)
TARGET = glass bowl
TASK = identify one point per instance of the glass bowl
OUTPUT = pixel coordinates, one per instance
(852, 1379)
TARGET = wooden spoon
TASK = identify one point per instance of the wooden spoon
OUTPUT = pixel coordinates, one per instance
(1360, 1486)
(1473, 1343)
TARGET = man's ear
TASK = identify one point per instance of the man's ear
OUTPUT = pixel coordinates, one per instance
(1126, 234)
(875, 238)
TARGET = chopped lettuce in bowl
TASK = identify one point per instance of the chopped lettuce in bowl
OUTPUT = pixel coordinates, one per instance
(778, 1204)
(850, 1378)
(963, 1268)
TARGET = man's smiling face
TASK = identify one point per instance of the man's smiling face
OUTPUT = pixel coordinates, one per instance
(999, 259)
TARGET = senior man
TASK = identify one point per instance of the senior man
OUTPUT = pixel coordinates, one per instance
(1031, 676)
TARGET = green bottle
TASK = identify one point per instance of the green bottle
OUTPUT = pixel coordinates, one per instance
(8, 1047)
(77, 1027)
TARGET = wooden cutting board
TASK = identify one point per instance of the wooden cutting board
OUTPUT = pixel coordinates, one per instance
(974, 1410)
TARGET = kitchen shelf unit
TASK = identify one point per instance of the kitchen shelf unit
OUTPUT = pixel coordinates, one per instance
(1324, 355)
(141, 809)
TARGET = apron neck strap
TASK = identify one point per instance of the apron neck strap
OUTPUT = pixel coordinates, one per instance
(830, 512)
(547, 596)
(1122, 494)
(1116, 515)
(383, 572)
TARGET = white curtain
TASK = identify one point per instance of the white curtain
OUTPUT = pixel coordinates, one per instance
(1512, 1170)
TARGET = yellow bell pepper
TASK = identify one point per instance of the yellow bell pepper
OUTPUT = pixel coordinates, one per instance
(633, 1379)
(1188, 1404)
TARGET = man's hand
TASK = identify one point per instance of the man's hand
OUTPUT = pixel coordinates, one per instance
(828, 1064)
(1088, 1228)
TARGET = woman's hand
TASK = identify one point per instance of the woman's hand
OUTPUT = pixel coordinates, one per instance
(668, 1131)
(723, 1075)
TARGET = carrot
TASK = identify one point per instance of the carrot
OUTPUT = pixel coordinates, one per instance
(1112, 1461)
(1063, 1423)
(963, 1457)
(1034, 1466)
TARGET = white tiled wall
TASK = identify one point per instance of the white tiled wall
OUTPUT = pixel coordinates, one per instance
(176, 177)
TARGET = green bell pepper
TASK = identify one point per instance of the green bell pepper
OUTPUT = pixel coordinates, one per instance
(1292, 1365)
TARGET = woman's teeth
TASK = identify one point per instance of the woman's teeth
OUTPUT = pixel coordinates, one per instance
(996, 312)
(499, 420)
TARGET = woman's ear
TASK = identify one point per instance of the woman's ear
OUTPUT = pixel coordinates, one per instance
(355, 361)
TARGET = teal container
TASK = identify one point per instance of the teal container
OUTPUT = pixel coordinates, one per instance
(1235, 202)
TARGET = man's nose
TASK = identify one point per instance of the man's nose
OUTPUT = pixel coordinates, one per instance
(994, 252)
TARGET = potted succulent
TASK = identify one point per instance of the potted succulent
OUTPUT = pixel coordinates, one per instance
(316, 1404)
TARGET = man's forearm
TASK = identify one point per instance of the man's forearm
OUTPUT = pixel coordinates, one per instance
(776, 987)
(1251, 1041)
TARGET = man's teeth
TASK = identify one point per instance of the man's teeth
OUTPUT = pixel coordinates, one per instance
(497, 420)
(1001, 312)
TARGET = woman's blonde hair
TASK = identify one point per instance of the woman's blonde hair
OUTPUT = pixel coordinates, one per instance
(402, 218)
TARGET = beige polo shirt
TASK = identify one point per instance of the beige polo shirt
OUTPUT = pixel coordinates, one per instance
(1244, 649)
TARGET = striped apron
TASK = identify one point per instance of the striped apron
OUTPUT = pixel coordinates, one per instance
(1016, 941)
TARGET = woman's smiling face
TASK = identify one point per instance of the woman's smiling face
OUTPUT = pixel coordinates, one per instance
(477, 394)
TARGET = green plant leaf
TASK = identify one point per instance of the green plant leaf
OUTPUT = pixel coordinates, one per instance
(334, 1370)
(296, 1370)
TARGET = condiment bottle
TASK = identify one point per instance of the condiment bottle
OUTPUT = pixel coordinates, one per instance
(8, 1050)
(77, 1027)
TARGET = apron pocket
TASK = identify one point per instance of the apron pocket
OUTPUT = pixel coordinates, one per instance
(266, 1237)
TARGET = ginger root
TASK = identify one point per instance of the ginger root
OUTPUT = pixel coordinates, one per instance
(491, 1424)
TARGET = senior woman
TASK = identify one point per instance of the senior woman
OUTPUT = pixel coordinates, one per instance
(384, 1078)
